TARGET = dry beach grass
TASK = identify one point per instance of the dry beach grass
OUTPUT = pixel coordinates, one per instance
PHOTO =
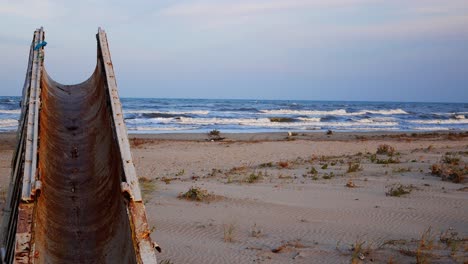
(304, 198)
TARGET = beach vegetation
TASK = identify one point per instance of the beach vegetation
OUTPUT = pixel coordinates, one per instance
(229, 179)
(137, 142)
(452, 241)
(197, 194)
(328, 176)
(398, 190)
(312, 170)
(167, 180)
(451, 168)
(325, 166)
(228, 232)
(180, 173)
(288, 244)
(350, 184)
(214, 132)
(390, 160)
(255, 231)
(283, 164)
(254, 177)
(214, 172)
(425, 244)
(385, 149)
(358, 251)
(238, 170)
(450, 159)
(283, 177)
(266, 165)
(166, 261)
(401, 170)
(354, 167)
(215, 135)
(3, 194)
(147, 186)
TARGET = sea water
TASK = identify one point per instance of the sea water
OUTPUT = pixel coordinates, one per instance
(154, 115)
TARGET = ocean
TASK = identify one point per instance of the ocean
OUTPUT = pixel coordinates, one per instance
(153, 115)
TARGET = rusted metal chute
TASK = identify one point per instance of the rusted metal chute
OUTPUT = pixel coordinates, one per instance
(74, 196)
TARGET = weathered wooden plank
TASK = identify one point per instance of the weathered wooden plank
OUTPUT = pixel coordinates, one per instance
(30, 162)
(120, 127)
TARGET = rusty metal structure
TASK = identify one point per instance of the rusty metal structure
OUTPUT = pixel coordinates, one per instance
(74, 196)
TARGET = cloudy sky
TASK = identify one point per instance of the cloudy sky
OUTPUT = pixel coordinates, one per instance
(384, 50)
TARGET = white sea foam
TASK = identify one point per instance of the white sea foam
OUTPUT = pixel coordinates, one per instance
(307, 119)
(8, 123)
(149, 128)
(434, 128)
(16, 111)
(338, 112)
(256, 122)
(376, 120)
(196, 112)
(223, 121)
(304, 112)
(441, 121)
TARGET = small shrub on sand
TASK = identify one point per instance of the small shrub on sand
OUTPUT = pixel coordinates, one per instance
(283, 164)
(387, 161)
(350, 184)
(197, 194)
(137, 142)
(166, 261)
(328, 176)
(215, 135)
(147, 186)
(3, 194)
(385, 149)
(214, 132)
(312, 171)
(398, 190)
(254, 177)
(456, 173)
(353, 167)
(325, 166)
(357, 251)
(266, 165)
(401, 170)
(255, 231)
(426, 243)
(451, 159)
(228, 231)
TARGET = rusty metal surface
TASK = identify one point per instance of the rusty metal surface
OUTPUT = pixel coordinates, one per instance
(88, 207)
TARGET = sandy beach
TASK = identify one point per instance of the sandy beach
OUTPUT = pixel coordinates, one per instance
(305, 198)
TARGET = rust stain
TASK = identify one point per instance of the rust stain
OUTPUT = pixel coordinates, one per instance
(84, 211)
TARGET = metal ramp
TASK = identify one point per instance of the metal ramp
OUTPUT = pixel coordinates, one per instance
(74, 195)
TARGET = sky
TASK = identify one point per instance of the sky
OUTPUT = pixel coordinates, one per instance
(351, 50)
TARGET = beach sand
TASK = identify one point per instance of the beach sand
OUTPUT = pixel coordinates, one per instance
(274, 198)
